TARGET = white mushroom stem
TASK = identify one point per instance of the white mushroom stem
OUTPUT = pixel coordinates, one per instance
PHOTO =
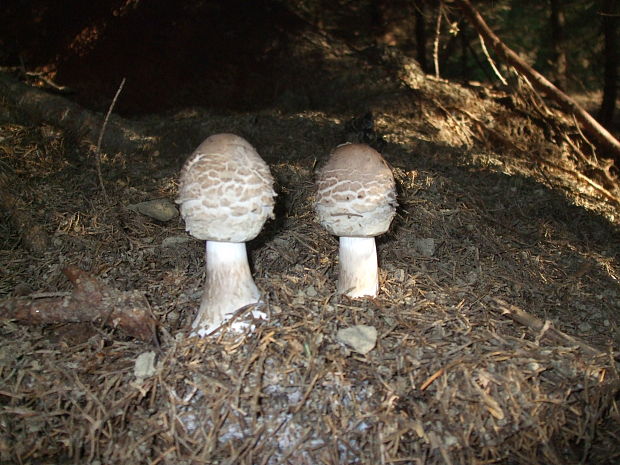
(358, 267)
(229, 285)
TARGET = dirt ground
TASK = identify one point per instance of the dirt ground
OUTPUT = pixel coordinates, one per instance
(501, 206)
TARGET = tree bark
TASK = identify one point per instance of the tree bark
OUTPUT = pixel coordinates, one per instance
(610, 12)
(606, 142)
(464, 50)
(420, 35)
(557, 21)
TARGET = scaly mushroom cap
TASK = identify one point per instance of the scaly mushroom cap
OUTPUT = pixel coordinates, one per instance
(225, 190)
(356, 194)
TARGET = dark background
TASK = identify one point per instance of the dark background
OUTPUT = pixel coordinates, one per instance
(246, 55)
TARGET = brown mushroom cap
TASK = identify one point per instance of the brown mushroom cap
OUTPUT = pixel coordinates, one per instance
(225, 190)
(356, 193)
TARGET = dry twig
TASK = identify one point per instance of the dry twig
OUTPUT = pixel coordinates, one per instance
(436, 41)
(491, 61)
(536, 324)
(98, 148)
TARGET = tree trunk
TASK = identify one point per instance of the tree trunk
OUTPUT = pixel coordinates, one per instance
(464, 50)
(420, 35)
(606, 142)
(610, 12)
(557, 21)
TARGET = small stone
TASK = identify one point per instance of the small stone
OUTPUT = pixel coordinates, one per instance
(311, 291)
(361, 338)
(471, 277)
(585, 327)
(144, 366)
(159, 209)
(450, 440)
(300, 298)
(534, 366)
(174, 241)
(426, 246)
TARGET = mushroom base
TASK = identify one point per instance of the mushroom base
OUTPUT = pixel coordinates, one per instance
(359, 274)
(229, 285)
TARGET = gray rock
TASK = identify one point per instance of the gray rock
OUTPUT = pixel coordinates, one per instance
(174, 241)
(311, 291)
(144, 366)
(426, 246)
(159, 209)
(361, 338)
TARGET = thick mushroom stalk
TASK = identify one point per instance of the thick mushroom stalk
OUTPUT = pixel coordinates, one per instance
(356, 200)
(226, 195)
(359, 273)
(229, 285)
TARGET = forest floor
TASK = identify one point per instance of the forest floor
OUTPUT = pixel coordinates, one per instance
(498, 212)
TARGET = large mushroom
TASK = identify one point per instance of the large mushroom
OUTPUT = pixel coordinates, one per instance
(356, 200)
(225, 196)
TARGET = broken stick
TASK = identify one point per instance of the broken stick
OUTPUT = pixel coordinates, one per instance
(91, 300)
(536, 324)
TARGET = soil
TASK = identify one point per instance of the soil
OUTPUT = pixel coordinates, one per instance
(501, 203)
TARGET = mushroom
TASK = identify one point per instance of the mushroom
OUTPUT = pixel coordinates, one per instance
(356, 200)
(225, 196)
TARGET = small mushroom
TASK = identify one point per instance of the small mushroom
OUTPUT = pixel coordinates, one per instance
(356, 200)
(225, 196)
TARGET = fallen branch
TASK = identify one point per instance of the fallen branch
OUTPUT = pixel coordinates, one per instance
(593, 128)
(90, 301)
(545, 328)
(120, 135)
(611, 197)
(575, 173)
